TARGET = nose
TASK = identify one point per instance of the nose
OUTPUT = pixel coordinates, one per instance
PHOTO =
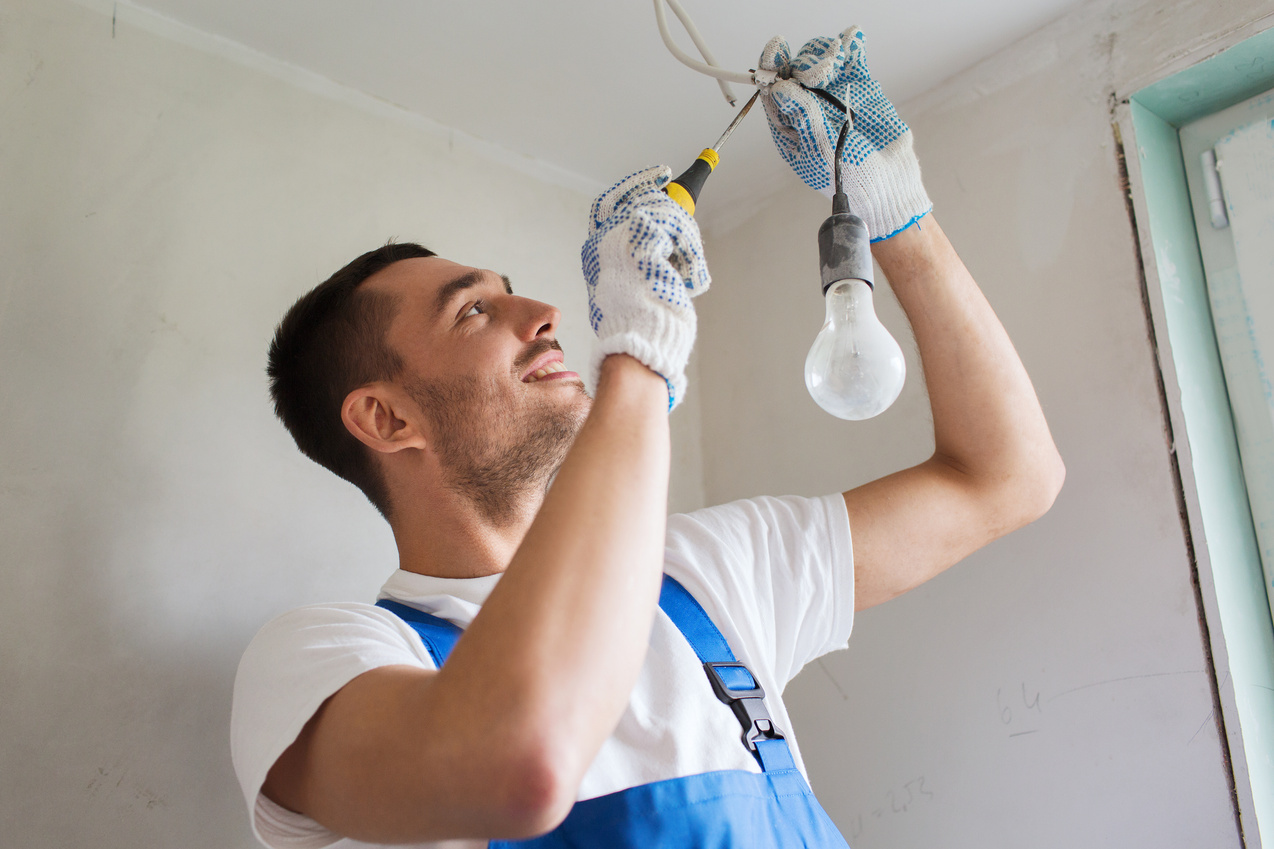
(538, 320)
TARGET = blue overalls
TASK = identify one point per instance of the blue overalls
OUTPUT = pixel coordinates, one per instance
(714, 810)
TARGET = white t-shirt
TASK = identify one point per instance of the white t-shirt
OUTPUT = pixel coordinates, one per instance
(774, 574)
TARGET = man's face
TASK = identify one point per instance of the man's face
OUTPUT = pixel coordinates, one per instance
(485, 369)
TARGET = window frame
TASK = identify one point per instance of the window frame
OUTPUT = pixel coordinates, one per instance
(1216, 517)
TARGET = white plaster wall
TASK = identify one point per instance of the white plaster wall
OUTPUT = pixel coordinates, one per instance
(1052, 689)
(162, 207)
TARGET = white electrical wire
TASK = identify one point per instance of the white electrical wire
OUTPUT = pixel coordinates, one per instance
(709, 65)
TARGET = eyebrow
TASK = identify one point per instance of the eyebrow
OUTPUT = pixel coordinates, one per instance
(465, 281)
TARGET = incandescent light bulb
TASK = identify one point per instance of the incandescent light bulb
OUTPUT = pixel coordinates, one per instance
(855, 369)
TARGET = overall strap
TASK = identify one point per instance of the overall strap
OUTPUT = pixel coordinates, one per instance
(438, 635)
(731, 680)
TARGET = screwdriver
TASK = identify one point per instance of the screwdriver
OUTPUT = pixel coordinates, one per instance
(685, 189)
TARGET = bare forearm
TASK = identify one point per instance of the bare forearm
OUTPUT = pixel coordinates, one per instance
(988, 423)
(994, 466)
(571, 618)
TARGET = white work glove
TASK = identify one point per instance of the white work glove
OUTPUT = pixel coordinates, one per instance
(879, 170)
(643, 262)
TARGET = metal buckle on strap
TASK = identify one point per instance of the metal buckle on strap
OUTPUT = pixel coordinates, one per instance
(748, 703)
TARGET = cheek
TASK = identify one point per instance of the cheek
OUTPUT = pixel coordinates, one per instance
(472, 361)
(488, 356)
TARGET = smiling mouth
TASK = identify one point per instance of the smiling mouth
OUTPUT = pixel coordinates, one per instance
(545, 371)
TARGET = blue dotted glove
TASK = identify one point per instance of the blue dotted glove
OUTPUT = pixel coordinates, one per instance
(643, 262)
(879, 170)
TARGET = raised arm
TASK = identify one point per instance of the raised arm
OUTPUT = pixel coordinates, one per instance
(994, 467)
(497, 742)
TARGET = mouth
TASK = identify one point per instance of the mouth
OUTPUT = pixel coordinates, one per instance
(548, 366)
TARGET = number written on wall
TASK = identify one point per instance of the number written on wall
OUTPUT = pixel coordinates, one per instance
(1019, 709)
(897, 801)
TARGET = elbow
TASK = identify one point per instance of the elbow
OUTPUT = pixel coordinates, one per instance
(1039, 485)
(535, 794)
(1020, 492)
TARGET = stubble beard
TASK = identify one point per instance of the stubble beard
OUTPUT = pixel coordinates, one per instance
(498, 455)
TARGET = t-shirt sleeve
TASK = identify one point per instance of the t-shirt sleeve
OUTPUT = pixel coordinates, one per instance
(775, 574)
(290, 668)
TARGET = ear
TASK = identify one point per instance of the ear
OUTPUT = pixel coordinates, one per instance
(371, 413)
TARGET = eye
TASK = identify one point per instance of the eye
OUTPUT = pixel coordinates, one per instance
(477, 308)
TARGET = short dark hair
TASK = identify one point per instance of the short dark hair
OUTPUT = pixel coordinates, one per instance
(329, 343)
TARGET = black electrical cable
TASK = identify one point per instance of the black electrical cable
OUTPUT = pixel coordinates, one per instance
(840, 140)
(830, 98)
(840, 151)
(840, 201)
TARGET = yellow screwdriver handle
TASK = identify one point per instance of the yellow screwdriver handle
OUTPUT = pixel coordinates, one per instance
(685, 189)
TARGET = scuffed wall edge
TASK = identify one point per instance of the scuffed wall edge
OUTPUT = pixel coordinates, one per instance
(1207, 46)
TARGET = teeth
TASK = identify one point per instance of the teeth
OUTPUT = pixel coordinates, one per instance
(551, 368)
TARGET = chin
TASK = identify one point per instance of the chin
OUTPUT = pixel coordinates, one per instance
(580, 404)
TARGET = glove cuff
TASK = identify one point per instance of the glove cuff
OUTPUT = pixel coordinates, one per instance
(886, 190)
(651, 356)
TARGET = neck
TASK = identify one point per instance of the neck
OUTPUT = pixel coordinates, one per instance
(455, 538)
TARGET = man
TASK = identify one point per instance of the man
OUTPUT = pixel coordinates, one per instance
(572, 706)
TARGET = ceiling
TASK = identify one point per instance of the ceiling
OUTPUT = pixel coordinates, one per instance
(589, 86)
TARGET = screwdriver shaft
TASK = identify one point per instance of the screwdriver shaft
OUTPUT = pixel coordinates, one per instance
(737, 119)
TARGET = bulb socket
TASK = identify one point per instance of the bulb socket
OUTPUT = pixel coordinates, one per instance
(844, 249)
